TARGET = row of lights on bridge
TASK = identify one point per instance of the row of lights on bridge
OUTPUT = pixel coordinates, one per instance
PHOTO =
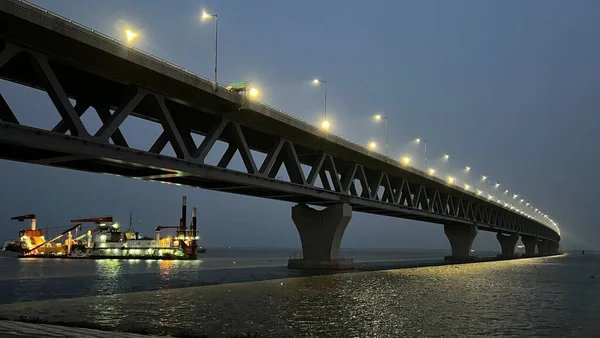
(406, 161)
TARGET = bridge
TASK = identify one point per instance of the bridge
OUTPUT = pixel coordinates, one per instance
(82, 69)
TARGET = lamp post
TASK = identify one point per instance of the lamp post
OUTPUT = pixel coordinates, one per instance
(446, 156)
(378, 118)
(472, 171)
(206, 16)
(325, 123)
(418, 141)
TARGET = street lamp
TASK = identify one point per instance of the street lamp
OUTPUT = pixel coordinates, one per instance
(446, 157)
(372, 145)
(325, 123)
(378, 118)
(418, 141)
(207, 16)
(405, 160)
(472, 171)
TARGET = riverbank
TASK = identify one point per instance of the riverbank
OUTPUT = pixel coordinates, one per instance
(30, 327)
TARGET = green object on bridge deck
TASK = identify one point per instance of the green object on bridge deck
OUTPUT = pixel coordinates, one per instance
(241, 88)
(238, 86)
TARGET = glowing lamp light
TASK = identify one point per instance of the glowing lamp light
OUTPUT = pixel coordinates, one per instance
(325, 125)
(450, 179)
(467, 168)
(515, 196)
(130, 35)
(506, 191)
(253, 92)
(205, 16)
(490, 197)
(467, 187)
(372, 145)
(316, 81)
(377, 117)
(405, 160)
(417, 140)
(497, 185)
(446, 156)
(479, 192)
(483, 178)
(431, 171)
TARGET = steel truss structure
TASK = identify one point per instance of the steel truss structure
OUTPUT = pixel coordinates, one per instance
(318, 170)
(366, 188)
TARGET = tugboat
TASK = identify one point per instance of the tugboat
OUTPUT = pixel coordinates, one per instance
(105, 240)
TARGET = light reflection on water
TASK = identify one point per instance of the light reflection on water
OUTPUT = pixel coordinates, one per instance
(553, 297)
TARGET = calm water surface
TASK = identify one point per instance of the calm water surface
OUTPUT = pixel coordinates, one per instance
(539, 297)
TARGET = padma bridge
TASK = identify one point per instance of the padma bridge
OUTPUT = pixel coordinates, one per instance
(80, 68)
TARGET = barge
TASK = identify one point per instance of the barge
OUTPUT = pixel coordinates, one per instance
(104, 240)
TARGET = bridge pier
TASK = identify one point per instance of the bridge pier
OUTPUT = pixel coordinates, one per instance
(321, 233)
(529, 243)
(461, 239)
(552, 247)
(507, 243)
(542, 244)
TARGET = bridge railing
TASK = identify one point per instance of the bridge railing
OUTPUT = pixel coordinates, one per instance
(95, 34)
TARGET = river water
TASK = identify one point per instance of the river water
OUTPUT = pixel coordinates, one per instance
(538, 297)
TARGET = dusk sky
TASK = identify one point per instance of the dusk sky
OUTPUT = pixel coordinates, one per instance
(510, 88)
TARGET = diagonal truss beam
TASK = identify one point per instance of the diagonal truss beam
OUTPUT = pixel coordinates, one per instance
(59, 97)
(135, 96)
(6, 113)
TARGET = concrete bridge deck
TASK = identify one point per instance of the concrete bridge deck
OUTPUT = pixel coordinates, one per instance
(71, 62)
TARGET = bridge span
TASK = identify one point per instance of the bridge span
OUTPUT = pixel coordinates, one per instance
(73, 63)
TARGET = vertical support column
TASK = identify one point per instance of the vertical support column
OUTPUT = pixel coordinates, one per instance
(529, 243)
(193, 254)
(541, 246)
(321, 233)
(507, 243)
(554, 248)
(183, 225)
(551, 247)
(461, 239)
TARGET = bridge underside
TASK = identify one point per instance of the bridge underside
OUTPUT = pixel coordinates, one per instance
(32, 145)
(82, 71)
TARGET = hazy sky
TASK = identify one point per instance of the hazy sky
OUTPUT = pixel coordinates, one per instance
(510, 88)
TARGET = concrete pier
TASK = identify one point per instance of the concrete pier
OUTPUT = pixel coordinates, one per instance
(541, 246)
(461, 239)
(321, 233)
(507, 243)
(529, 242)
(552, 248)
